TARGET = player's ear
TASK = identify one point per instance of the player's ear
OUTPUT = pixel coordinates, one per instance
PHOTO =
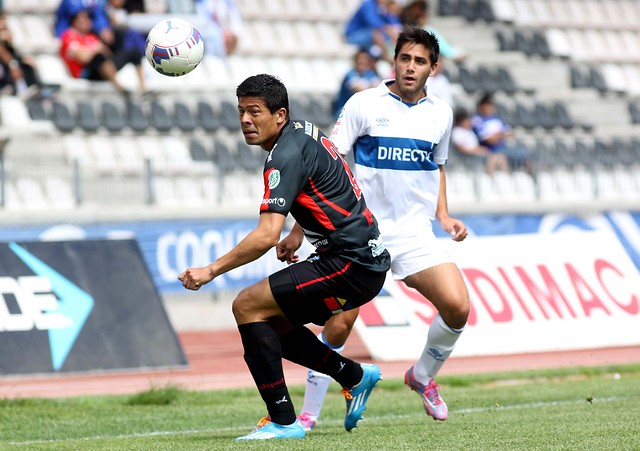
(281, 115)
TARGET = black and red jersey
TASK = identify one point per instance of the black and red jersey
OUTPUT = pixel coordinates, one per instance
(306, 176)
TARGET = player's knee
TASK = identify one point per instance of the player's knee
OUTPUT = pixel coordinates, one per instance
(459, 314)
(241, 307)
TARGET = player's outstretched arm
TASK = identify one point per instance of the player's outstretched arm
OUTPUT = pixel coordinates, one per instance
(252, 247)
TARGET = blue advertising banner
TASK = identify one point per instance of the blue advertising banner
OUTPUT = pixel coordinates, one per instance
(79, 306)
(169, 247)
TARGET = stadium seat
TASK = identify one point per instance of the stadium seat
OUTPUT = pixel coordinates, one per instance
(229, 116)
(562, 115)
(86, 116)
(467, 80)
(486, 81)
(198, 151)
(614, 77)
(469, 10)
(544, 117)
(128, 155)
(103, 155)
(505, 44)
(153, 153)
(222, 157)
(540, 45)
(559, 43)
(249, 158)
(524, 117)
(632, 74)
(448, 8)
(206, 117)
(579, 79)
(522, 43)
(136, 117)
(37, 110)
(634, 112)
(159, 117)
(177, 155)
(503, 112)
(112, 118)
(506, 81)
(183, 118)
(485, 12)
(62, 117)
(59, 193)
(31, 193)
(75, 150)
(597, 80)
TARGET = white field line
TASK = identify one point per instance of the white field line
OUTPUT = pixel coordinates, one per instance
(369, 419)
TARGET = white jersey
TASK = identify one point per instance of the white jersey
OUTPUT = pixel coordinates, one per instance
(397, 149)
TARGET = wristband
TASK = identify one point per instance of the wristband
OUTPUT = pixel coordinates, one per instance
(14, 64)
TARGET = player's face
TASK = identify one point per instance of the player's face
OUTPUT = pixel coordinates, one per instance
(260, 127)
(413, 67)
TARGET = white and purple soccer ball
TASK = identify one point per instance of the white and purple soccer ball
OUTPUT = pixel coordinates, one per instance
(174, 47)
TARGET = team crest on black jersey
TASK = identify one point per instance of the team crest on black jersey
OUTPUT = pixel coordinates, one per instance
(274, 179)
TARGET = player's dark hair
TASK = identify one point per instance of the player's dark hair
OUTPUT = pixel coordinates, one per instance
(418, 35)
(268, 88)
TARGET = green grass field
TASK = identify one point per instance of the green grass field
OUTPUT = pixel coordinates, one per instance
(578, 408)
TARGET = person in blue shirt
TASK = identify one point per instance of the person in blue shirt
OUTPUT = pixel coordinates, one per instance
(362, 76)
(69, 8)
(375, 26)
(496, 135)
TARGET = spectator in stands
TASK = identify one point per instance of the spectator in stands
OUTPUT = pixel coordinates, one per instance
(495, 134)
(465, 141)
(375, 26)
(118, 38)
(18, 73)
(88, 57)
(100, 24)
(224, 26)
(416, 13)
(362, 75)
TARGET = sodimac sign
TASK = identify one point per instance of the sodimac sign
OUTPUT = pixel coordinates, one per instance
(538, 292)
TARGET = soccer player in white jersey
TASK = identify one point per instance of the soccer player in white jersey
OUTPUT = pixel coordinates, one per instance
(399, 134)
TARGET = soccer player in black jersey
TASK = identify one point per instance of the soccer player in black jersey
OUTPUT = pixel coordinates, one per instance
(303, 175)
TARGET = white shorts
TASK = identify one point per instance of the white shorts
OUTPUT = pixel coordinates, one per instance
(412, 254)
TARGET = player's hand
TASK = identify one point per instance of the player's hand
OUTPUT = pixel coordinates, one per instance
(286, 249)
(455, 228)
(194, 278)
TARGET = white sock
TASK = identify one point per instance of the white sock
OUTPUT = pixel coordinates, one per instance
(317, 386)
(441, 340)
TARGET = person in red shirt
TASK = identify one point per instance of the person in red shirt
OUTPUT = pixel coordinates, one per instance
(87, 57)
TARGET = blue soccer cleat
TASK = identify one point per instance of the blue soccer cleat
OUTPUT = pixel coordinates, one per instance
(267, 429)
(357, 396)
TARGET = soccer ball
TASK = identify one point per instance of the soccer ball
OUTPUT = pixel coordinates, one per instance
(174, 47)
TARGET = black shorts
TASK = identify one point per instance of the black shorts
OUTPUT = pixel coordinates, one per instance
(313, 290)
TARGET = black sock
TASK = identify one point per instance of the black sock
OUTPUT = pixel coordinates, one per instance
(301, 346)
(263, 354)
